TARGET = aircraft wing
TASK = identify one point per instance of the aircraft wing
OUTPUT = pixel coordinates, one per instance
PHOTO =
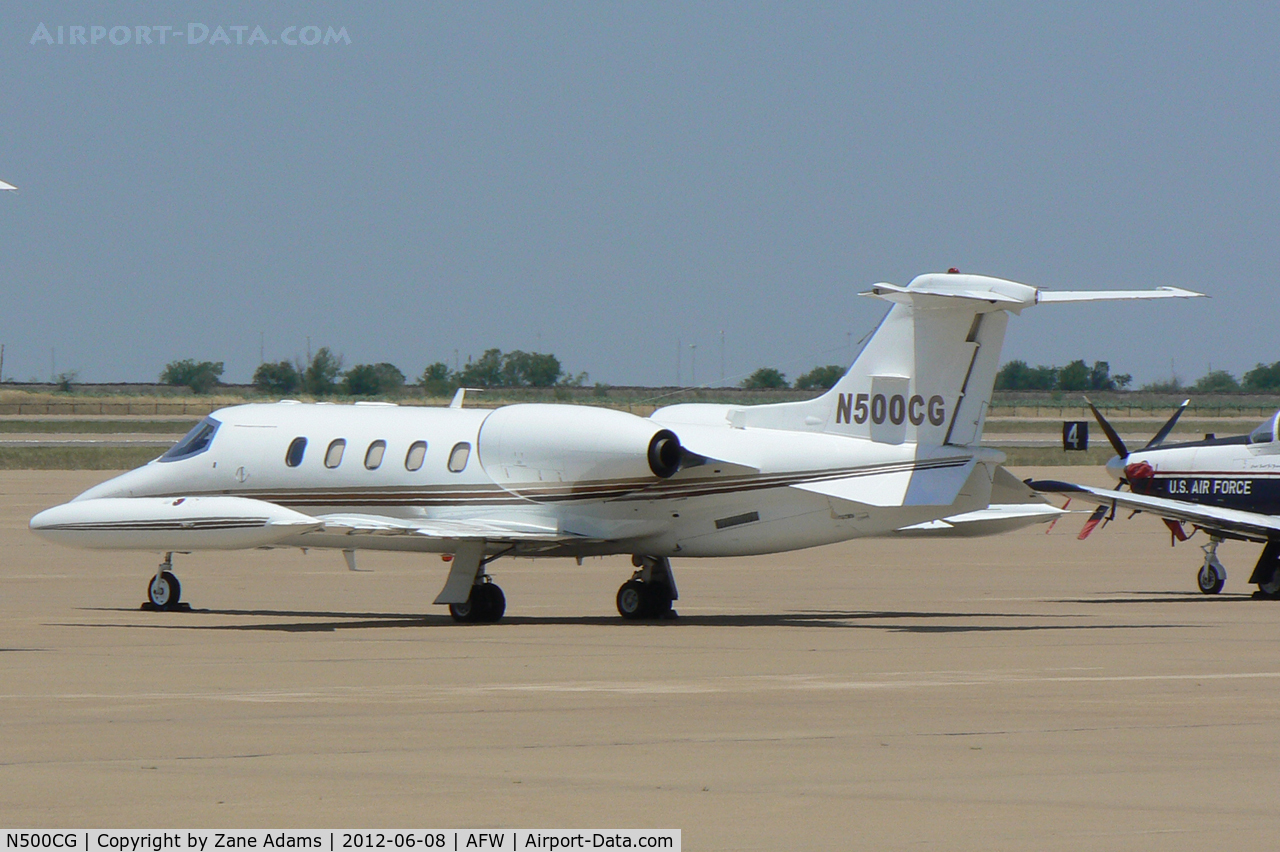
(996, 518)
(1253, 525)
(931, 483)
(444, 528)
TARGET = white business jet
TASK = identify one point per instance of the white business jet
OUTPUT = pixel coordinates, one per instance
(894, 448)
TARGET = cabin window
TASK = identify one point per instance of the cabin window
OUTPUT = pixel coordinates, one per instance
(297, 448)
(373, 456)
(458, 457)
(333, 455)
(413, 458)
(194, 442)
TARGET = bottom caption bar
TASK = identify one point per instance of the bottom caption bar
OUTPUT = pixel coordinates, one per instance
(344, 840)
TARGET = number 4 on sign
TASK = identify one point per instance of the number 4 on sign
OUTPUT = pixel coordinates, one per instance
(1075, 435)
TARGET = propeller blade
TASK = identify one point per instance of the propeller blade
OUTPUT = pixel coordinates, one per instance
(1112, 435)
(1094, 520)
(1054, 522)
(1168, 427)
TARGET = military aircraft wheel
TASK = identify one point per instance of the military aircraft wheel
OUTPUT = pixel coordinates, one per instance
(633, 600)
(493, 602)
(464, 613)
(1271, 588)
(164, 591)
(486, 604)
(1209, 580)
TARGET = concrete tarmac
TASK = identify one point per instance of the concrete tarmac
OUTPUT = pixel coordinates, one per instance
(1028, 691)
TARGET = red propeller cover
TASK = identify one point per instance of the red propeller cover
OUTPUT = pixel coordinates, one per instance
(1139, 470)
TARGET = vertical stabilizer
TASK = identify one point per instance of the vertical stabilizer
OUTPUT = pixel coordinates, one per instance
(926, 375)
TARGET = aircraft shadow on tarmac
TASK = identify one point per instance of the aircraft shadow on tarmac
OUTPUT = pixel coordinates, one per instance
(328, 622)
(1181, 597)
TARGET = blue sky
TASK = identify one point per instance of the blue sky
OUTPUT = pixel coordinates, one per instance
(614, 183)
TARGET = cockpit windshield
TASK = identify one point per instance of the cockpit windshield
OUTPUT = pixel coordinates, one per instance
(1266, 431)
(195, 442)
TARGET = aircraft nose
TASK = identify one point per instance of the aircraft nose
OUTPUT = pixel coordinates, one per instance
(1115, 467)
(134, 483)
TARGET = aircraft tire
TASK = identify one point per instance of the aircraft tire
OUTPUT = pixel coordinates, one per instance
(485, 605)
(1209, 580)
(1271, 588)
(659, 603)
(494, 602)
(633, 600)
(164, 591)
(463, 613)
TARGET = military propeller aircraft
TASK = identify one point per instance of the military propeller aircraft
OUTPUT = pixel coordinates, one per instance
(1228, 487)
(892, 449)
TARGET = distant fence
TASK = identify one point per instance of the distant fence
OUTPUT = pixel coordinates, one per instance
(1143, 409)
(120, 409)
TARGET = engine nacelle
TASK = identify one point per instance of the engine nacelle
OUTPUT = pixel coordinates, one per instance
(554, 451)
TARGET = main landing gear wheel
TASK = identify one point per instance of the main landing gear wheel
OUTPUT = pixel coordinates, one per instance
(638, 599)
(164, 591)
(1267, 572)
(486, 605)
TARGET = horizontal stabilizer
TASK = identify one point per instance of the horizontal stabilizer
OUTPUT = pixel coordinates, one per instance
(994, 294)
(1049, 296)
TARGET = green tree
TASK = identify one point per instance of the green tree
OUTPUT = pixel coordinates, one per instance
(821, 377)
(438, 380)
(1216, 381)
(321, 374)
(1074, 377)
(200, 376)
(277, 377)
(1173, 385)
(1100, 377)
(765, 377)
(380, 379)
(530, 369)
(484, 372)
(1016, 375)
(1262, 378)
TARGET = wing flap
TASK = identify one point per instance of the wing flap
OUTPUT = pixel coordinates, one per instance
(444, 528)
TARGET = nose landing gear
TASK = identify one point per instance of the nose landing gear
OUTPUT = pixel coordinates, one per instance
(1211, 576)
(164, 592)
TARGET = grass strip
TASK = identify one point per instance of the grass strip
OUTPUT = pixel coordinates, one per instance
(75, 458)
